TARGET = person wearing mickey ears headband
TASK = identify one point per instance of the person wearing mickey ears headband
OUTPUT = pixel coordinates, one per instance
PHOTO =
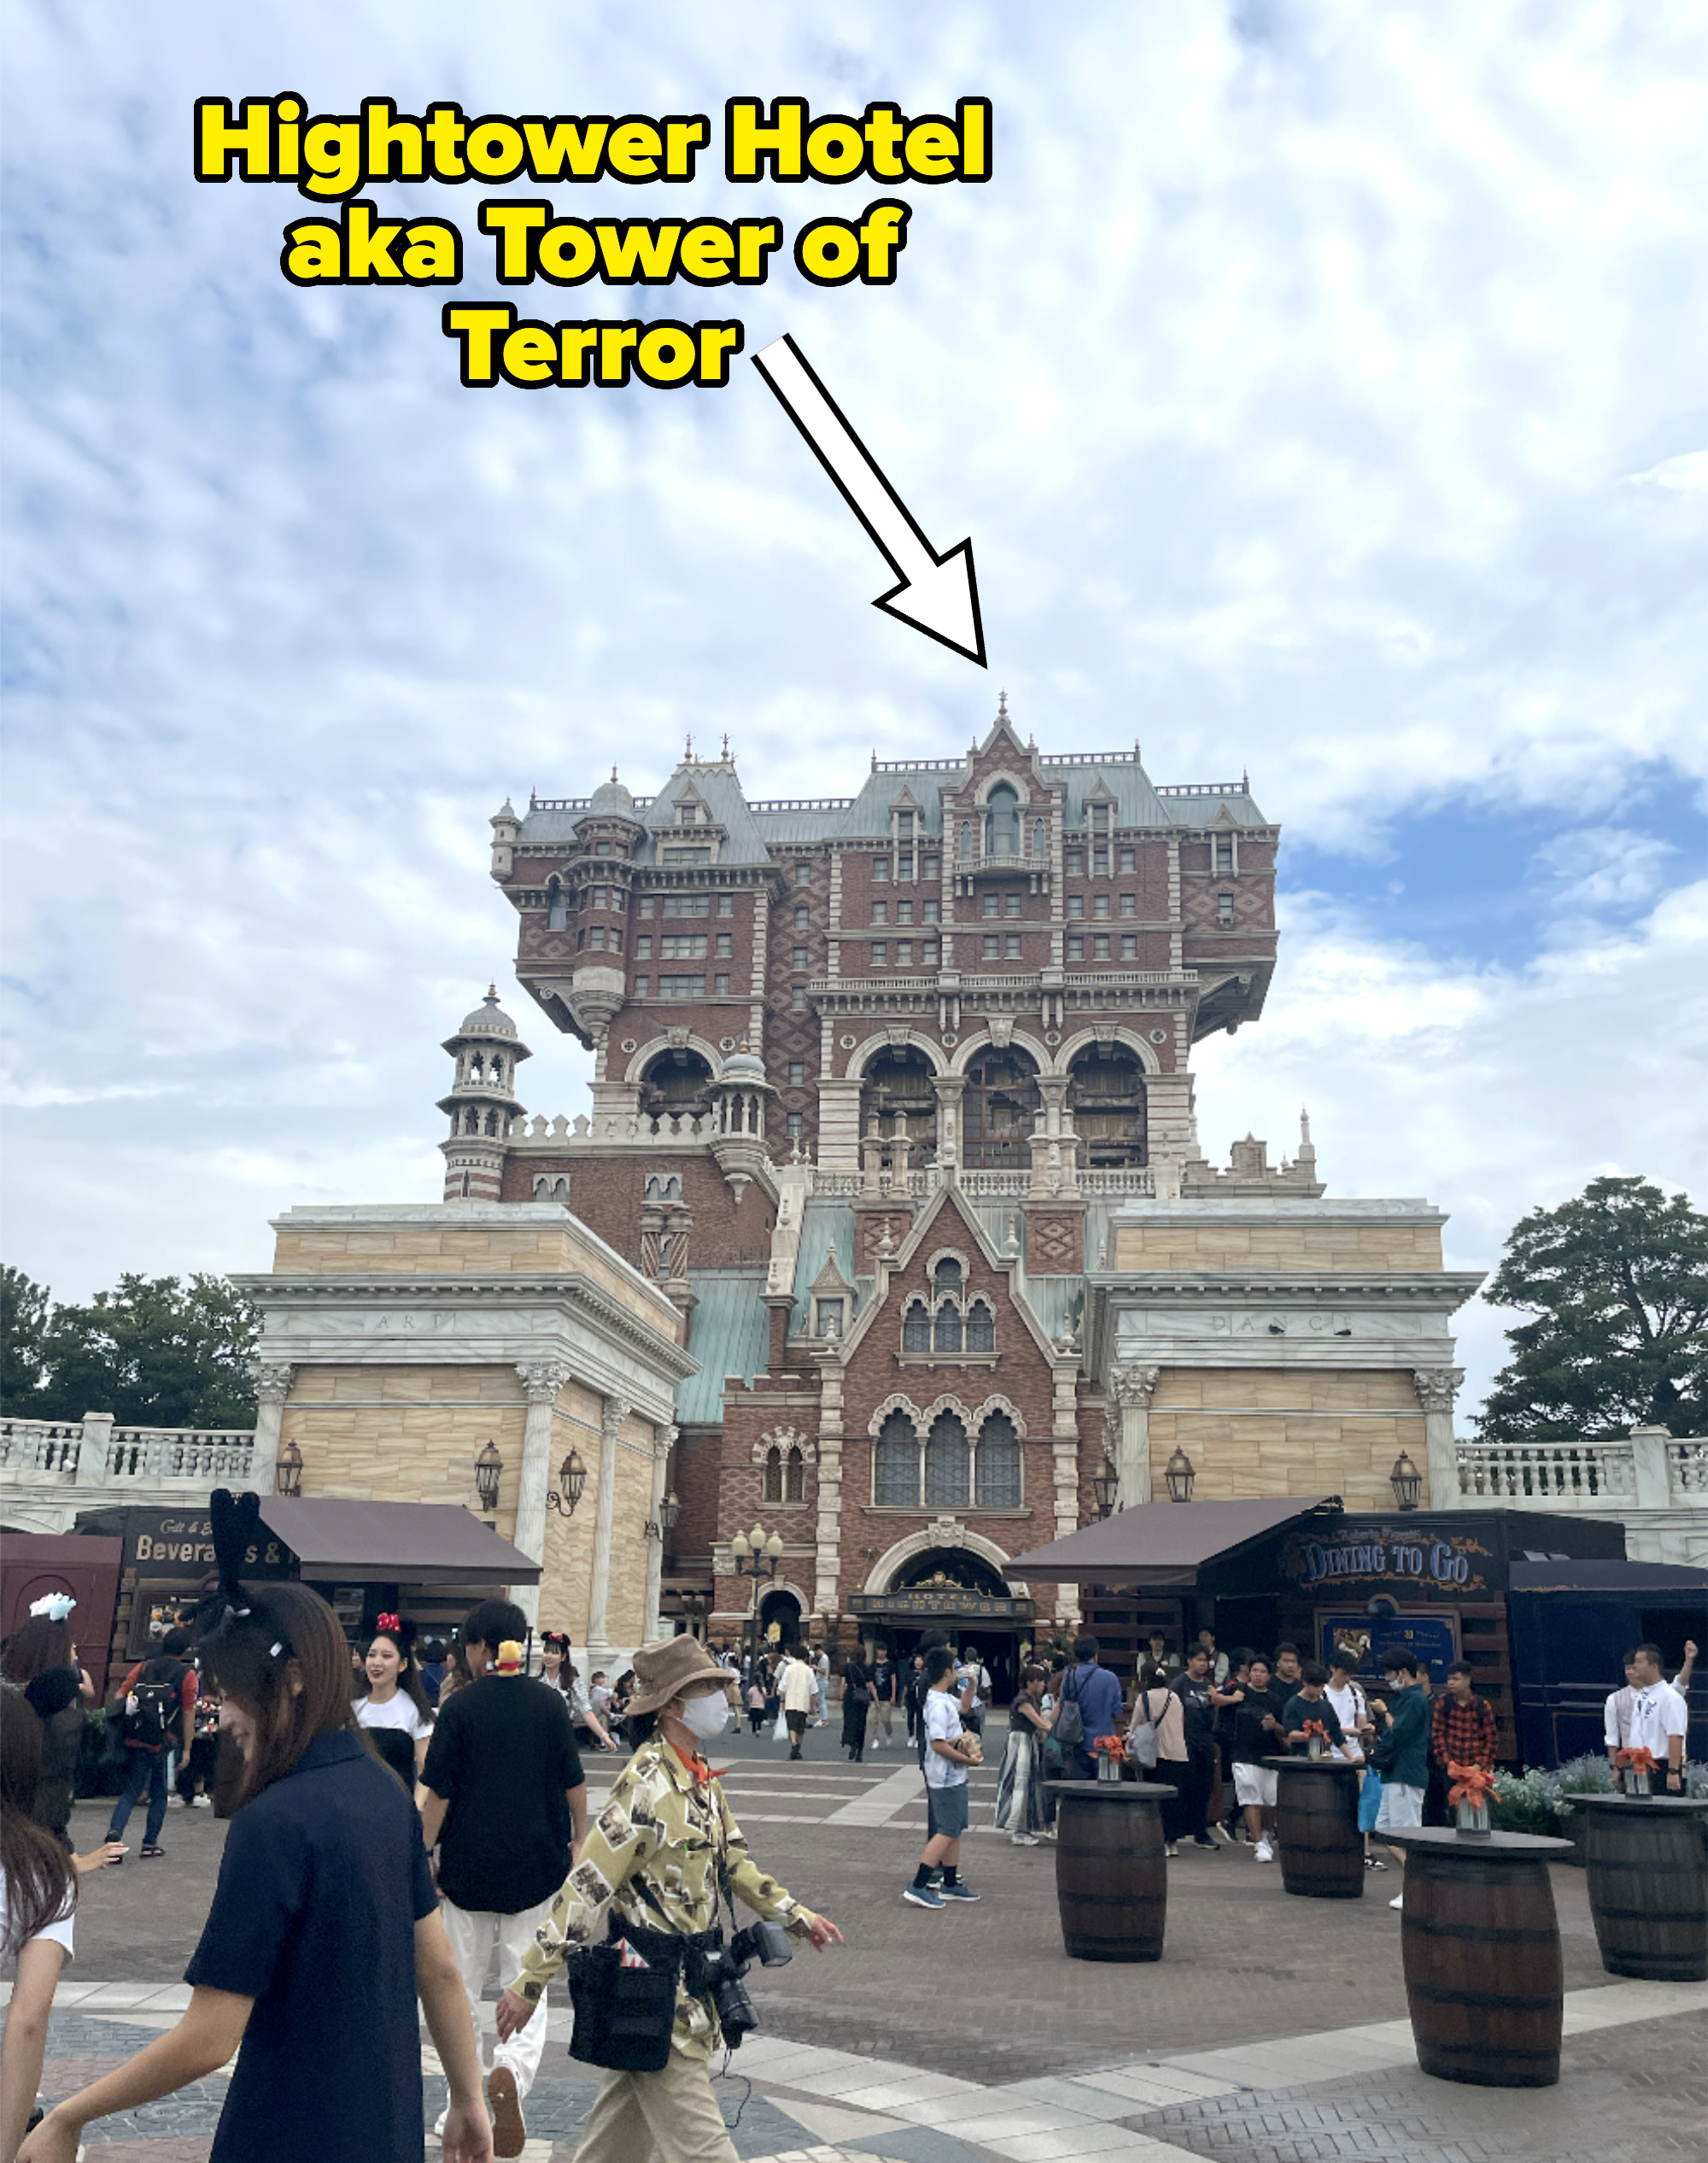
(325, 1925)
(395, 1715)
(660, 1856)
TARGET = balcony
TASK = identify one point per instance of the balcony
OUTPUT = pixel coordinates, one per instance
(50, 1469)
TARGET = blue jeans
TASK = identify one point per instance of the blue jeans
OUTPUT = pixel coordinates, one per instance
(147, 1770)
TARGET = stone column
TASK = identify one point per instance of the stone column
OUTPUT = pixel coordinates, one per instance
(605, 1518)
(272, 1379)
(1652, 1468)
(1132, 1389)
(1436, 1387)
(541, 1380)
(950, 1088)
(651, 1624)
(827, 1589)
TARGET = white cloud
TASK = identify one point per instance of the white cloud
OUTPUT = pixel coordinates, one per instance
(1688, 470)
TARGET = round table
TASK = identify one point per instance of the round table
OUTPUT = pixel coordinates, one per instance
(1316, 1823)
(1111, 1873)
(1647, 1862)
(1481, 1946)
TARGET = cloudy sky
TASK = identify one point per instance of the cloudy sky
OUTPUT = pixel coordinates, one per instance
(1323, 386)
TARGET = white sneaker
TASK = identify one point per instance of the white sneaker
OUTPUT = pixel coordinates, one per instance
(1398, 1901)
(1023, 1839)
(1264, 1852)
(203, 1802)
(1170, 1850)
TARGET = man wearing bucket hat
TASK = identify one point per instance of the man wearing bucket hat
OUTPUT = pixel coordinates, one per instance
(648, 1880)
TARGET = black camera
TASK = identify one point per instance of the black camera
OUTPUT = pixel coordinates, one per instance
(768, 1944)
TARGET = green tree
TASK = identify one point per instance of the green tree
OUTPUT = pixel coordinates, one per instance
(154, 1352)
(1618, 1283)
(23, 1330)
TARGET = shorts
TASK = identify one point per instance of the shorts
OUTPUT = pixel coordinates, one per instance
(1400, 1807)
(1255, 1784)
(946, 1811)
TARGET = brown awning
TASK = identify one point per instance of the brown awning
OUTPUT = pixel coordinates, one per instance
(353, 1542)
(1159, 1543)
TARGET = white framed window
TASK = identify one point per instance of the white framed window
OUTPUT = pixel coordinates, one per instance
(903, 953)
(800, 959)
(881, 953)
(1076, 907)
(797, 1072)
(681, 987)
(880, 870)
(798, 999)
(682, 946)
(928, 912)
(993, 904)
(904, 912)
(881, 912)
(1100, 947)
(720, 987)
(1129, 946)
(726, 947)
(1224, 910)
(803, 874)
(1129, 905)
(1100, 906)
(1076, 947)
(993, 946)
(1011, 946)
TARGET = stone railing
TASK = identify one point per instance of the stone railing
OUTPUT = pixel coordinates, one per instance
(91, 1453)
(1646, 1470)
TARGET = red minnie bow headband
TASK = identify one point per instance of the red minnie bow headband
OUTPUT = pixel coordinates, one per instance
(389, 1622)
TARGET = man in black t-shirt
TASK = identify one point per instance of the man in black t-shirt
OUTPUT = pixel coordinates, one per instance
(1257, 1734)
(1198, 1777)
(502, 1799)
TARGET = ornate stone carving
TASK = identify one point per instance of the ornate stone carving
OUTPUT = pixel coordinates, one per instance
(271, 1378)
(1134, 1386)
(1437, 1387)
(611, 1415)
(542, 1379)
(785, 1439)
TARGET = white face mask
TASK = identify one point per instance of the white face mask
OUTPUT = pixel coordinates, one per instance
(707, 1716)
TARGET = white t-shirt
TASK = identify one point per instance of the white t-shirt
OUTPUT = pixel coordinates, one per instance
(59, 1933)
(1644, 1719)
(1349, 1710)
(398, 1712)
(942, 1724)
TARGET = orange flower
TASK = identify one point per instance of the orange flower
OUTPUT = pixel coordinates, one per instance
(1111, 1746)
(1635, 1761)
(1471, 1783)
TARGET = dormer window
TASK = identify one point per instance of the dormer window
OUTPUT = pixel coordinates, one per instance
(830, 1318)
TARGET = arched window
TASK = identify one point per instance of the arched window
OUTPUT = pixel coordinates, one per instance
(1002, 813)
(966, 841)
(998, 1463)
(1106, 1095)
(495, 1072)
(946, 1276)
(1040, 839)
(947, 1333)
(472, 1121)
(999, 1108)
(895, 1462)
(981, 1328)
(794, 1481)
(492, 1122)
(773, 1476)
(916, 1328)
(556, 908)
(946, 1463)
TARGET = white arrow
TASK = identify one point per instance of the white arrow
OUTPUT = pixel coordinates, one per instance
(937, 594)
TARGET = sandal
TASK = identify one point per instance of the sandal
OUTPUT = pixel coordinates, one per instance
(148, 1854)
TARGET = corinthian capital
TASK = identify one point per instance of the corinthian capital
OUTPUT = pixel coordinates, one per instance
(542, 1379)
(1437, 1387)
(1134, 1387)
(271, 1378)
(611, 1417)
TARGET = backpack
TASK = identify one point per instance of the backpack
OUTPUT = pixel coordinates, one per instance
(1070, 1722)
(153, 1704)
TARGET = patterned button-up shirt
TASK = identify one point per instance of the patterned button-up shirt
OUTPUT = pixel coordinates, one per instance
(651, 1859)
(1463, 1734)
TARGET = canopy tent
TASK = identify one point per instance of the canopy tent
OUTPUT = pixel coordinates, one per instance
(357, 1542)
(1162, 1543)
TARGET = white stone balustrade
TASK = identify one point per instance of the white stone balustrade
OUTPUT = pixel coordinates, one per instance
(1654, 1482)
(50, 1470)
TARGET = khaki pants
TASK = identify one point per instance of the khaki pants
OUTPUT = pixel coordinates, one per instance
(673, 2111)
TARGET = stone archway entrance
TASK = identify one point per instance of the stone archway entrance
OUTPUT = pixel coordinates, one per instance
(958, 1592)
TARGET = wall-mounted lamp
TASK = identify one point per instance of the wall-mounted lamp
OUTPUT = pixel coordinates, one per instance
(1406, 1481)
(1179, 1474)
(287, 1478)
(668, 1510)
(1106, 1485)
(572, 1479)
(489, 1470)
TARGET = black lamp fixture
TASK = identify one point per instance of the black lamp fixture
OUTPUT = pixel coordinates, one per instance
(668, 1510)
(1179, 1474)
(572, 1478)
(1106, 1485)
(1406, 1481)
(756, 1557)
(287, 1478)
(489, 1470)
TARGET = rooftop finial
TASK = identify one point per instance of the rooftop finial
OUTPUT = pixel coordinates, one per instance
(1305, 1147)
(492, 991)
(688, 749)
(613, 772)
(726, 743)
(1001, 705)
(874, 762)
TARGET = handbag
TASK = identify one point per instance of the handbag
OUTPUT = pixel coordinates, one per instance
(624, 2015)
(1070, 1722)
(1141, 1734)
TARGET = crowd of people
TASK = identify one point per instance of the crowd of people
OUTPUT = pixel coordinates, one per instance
(409, 1818)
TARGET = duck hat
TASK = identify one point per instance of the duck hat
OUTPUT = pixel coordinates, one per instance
(664, 1670)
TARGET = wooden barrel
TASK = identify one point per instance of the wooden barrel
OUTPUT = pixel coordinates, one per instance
(1316, 1824)
(1111, 1873)
(1484, 1974)
(1648, 1887)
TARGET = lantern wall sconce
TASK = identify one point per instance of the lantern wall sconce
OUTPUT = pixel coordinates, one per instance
(572, 1476)
(489, 1470)
(1179, 1474)
(1406, 1481)
(287, 1478)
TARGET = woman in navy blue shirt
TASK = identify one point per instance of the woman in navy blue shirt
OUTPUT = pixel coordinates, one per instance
(325, 1927)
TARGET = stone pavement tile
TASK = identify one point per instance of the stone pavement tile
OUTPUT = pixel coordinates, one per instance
(919, 2144)
(841, 2083)
(911, 2088)
(836, 2121)
(982, 2124)
(127, 2150)
(1067, 2146)
(1153, 2086)
(1071, 2095)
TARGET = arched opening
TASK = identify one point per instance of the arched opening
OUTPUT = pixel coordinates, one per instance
(557, 906)
(1106, 1096)
(946, 1330)
(998, 1464)
(779, 1611)
(916, 1328)
(1040, 840)
(897, 1091)
(981, 1328)
(946, 1276)
(677, 1083)
(794, 1477)
(947, 1463)
(1000, 1109)
(895, 1465)
(1002, 822)
(774, 1475)
(954, 1566)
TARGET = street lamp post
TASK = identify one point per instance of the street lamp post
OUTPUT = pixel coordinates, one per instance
(758, 1557)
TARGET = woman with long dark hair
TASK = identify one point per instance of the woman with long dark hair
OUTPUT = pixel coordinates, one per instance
(38, 1894)
(566, 1680)
(325, 1925)
(395, 1715)
(41, 1659)
(856, 1702)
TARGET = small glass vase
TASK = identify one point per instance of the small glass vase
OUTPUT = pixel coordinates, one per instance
(1107, 1767)
(1636, 1783)
(1315, 1749)
(1472, 1818)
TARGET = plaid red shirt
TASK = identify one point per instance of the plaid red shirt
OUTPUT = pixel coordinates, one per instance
(1463, 1734)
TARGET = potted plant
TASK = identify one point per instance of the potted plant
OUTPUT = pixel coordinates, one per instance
(1469, 1795)
(1110, 1753)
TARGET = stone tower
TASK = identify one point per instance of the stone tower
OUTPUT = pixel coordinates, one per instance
(482, 1102)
